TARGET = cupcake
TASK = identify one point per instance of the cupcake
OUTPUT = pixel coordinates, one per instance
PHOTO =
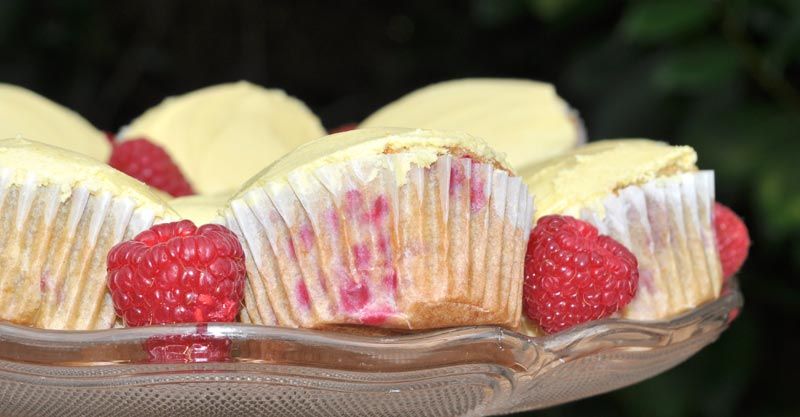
(651, 198)
(525, 119)
(25, 113)
(222, 135)
(201, 209)
(60, 213)
(392, 228)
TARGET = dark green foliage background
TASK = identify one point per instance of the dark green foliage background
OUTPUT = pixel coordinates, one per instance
(722, 76)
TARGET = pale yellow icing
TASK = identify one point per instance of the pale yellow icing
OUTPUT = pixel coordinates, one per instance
(23, 112)
(524, 119)
(589, 174)
(51, 165)
(419, 148)
(200, 209)
(224, 134)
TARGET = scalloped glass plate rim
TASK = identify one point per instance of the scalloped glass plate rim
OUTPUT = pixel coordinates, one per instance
(607, 333)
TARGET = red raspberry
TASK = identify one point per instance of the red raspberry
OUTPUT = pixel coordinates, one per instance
(343, 128)
(197, 347)
(149, 163)
(177, 273)
(573, 275)
(733, 241)
(192, 348)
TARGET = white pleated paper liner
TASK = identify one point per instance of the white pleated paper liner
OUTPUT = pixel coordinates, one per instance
(53, 248)
(668, 224)
(351, 244)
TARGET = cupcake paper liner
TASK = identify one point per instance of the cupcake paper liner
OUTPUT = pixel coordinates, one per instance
(667, 223)
(349, 244)
(53, 248)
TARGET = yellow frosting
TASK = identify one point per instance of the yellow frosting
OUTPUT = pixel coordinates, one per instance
(525, 119)
(589, 174)
(52, 165)
(419, 147)
(23, 112)
(222, 135)
(201, 209)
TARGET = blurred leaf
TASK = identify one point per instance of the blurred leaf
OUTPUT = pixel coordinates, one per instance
(774, 290)
(796, 258)
(550, 10)
(11, 12)
(790, 6)
(786, 47)
(602, 63)
(763, 19)
(779, 200)
(629, 109)
(738, 138)
(697, 68)
(495, 13)
(661, 20)
(753, 147)
(619, 87)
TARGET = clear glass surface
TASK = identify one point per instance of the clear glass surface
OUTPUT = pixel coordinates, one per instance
(277, 371)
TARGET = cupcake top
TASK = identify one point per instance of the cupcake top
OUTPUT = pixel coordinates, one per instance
(587, 175)
(525, 119)
(23, 112)
(415, 147)
(200, 209)
(68, 169)
(222, 135)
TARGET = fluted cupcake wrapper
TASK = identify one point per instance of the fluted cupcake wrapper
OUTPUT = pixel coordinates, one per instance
(351, 243)
(53, 247)
(667, 223)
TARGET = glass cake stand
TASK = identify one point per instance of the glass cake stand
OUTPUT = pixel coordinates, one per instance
(276, 371)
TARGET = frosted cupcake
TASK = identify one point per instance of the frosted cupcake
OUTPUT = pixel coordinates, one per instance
(25, 113)
(222, 135)
(60, 213)
(402, 229)
(524, 119)
(651, 198)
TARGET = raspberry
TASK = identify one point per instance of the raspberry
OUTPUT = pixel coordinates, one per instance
(574, 275)
(149, 163)
(177, 273)
(197, 347)
(194, 348)
(733, 240)
(343, 128)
